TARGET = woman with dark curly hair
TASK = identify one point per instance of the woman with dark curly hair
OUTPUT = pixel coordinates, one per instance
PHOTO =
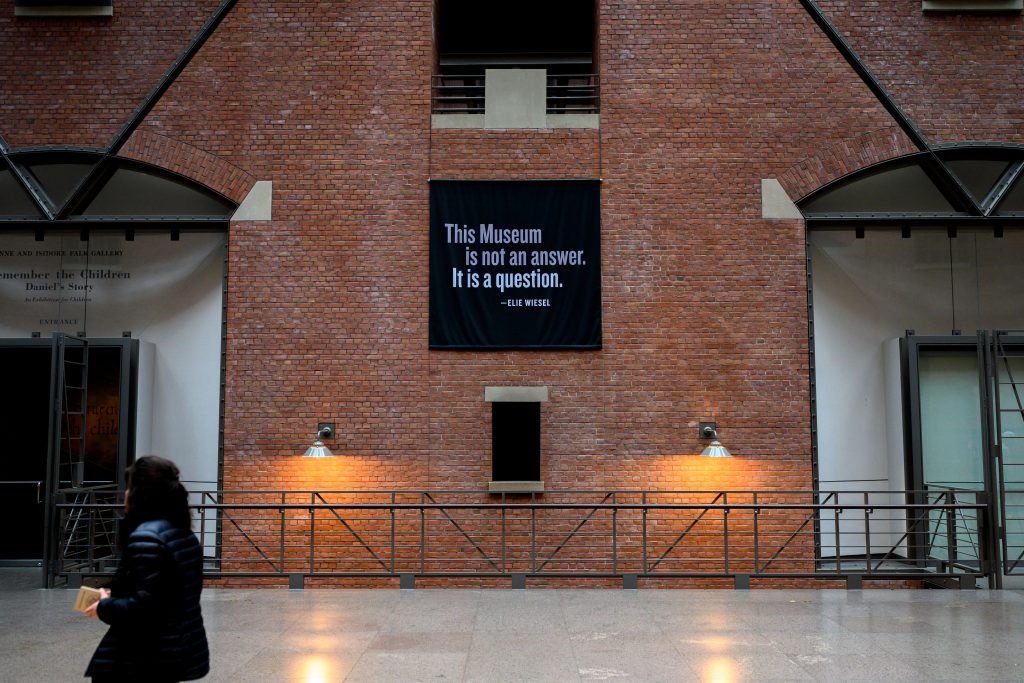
(156, 625)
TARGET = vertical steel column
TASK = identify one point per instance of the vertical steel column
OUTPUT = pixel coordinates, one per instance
(835, 516)
(312, 532)
(533, 538)
(281, 540)
(504, 569)
(951, 550)
(615, 539)
(988, 378)
(757, 538)
(725, 530)
(643, 534)
(867, 533)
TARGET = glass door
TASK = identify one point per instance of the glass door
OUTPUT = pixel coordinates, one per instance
(950, 412)
(951, 460)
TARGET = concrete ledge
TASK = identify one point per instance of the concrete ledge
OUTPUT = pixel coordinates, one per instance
(972, 5)
(516, 394)
(515, 486)
(775, 203)
(58, 11)
(456, 121)
(476, 121)
(257, 204)
(574, 120)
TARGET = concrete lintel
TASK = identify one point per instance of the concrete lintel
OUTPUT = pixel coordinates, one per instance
(440, 121)
(257, 204)
(574, 120)
(775, 203)
(57, 11)
(516, 394)
(972, 5)
(515, 487)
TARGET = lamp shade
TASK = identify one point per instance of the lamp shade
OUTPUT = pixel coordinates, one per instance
(716, 450)
(318, 450)
(325, 430)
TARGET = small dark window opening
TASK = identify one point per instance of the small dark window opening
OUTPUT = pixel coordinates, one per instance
(520, 33)
(473, 36)
(64, 8)
(515, 441)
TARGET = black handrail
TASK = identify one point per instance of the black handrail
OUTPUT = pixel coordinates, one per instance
(731, 534)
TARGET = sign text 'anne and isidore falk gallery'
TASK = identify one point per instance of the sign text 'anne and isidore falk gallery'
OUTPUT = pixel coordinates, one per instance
(515, 264)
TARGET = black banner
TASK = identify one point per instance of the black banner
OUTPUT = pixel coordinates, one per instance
(515, 264)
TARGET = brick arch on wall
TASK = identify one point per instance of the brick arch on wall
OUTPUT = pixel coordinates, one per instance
(845, 157)
(196, 164)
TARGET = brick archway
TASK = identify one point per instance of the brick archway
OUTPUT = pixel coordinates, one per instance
(844, 157)
(196, 164)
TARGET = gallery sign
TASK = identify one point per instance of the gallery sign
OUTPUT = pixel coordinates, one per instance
(104, 286)
(515, 264)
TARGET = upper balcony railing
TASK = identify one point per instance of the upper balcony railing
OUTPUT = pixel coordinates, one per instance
(458, 94)
(573, 94)
(564, 93)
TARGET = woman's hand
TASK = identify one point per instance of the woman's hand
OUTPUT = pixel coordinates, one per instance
(90, 611)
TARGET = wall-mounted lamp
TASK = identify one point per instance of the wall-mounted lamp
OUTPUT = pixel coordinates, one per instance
(709, 430)
(318, 449)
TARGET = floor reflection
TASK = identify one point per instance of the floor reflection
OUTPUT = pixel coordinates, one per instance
(316, 669)
(720, 670)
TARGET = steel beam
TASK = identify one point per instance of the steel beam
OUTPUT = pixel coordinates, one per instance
(951, 187)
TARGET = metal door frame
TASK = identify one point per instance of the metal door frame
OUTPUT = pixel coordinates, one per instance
(994, 541)
(128, 381)
(991, 348)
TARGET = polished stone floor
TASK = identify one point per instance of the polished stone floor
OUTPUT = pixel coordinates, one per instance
(556, 636)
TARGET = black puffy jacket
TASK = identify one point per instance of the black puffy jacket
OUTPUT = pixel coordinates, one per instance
(156, 625)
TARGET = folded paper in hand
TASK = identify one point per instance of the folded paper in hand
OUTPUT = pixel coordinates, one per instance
(87, 595)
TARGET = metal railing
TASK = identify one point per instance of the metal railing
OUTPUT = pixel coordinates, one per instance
(465, 94)
(86, 534)
(457, 94)
(573, 94)
(627, 535)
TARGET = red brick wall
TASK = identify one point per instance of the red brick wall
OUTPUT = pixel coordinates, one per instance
(704, 302)
(75, 82)
(955, 75)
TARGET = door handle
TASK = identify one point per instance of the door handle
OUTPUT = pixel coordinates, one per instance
(39, 492)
